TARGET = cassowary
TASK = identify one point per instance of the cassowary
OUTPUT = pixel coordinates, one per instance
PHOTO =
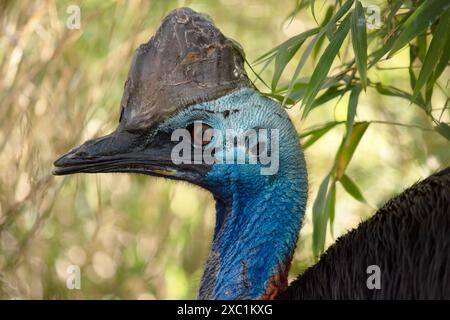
(190, 78)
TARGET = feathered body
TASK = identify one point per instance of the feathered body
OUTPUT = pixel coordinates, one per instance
(408, 239)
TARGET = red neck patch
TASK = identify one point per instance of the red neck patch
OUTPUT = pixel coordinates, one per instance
(278, 282)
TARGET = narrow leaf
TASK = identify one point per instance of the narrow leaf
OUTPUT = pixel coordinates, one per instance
(351, 110)
(296, 94)
(422, 46)
(327, 18)
(395, 92)
(434, 52)
(444, 130)
(279, 98)
(316, 134)
(327, 126)
(342, 10)
(283, 57)
(320, 217)
(392, 35)
(346, 150)
(286, 51)
(443, 61)
(352, 189)
(331, 206)
(300, 38)
(324, 65)
(311, 5)
(359, 41)
(428, 12)
(328, 95)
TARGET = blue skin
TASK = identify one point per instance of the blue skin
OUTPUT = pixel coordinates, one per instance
(258, 217)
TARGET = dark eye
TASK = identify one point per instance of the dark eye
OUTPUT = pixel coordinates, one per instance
(201, 134)
(258, 149)
(255, 144)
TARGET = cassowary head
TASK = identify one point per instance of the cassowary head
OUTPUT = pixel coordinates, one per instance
(189, 112)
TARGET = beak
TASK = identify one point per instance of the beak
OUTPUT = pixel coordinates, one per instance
(124, 151)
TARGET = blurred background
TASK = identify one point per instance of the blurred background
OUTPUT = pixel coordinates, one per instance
(136, 237)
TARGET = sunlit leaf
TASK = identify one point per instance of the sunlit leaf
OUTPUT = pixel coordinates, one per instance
(320, 217)
(390, 40)
(290, 43)
(316, 134)
(324, 65)
(285, 53)
(300, 4)
(444, 59)
(428, 12)
(311, 5)
(296, 94)
(395, 92)
(342, 10)
(444, 130)
(283, 57)
(434, 52)
(351, 110)
(352, 189)
(331, 206)
(359, 41)
(279, 98)
(328, 95)
(347, 149)
(327, 18)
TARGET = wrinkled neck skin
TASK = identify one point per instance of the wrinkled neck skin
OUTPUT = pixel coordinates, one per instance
(256, 229)
(254, 240)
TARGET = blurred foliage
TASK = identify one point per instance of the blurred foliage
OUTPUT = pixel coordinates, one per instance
(139, 237)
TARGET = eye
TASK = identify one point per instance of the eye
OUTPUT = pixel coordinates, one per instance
(258, 149)
(255, 144)
(201, 134)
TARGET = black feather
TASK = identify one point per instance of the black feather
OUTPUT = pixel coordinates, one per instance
(408, 238)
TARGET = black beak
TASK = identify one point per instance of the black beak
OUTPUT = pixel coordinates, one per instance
(123, 151)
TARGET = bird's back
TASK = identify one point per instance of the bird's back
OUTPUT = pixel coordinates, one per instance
(408, 239)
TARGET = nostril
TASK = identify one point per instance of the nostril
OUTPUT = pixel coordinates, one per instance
(81, 154)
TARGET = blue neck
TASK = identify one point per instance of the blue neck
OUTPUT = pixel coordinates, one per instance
(255, 235)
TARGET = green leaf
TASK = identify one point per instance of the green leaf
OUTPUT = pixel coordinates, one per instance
(351, 110)
(328, 95)
(413, 50)
(428, 12)
(327, 126)
(359, 41)
(342, 10)
(283, 57)
(311, 5)
(352, 189)
(300, 4)
(378, 54)
(434, 52)
(279, 98)
(347, 149)
(296, 94)
(331, 205)
(422, 46)
(327, 18)
(324, 65)
(443, 61)
(291, 42)
(286, 51)
(395, 92)
(320, 217)
(443, 129)
(316, 134)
